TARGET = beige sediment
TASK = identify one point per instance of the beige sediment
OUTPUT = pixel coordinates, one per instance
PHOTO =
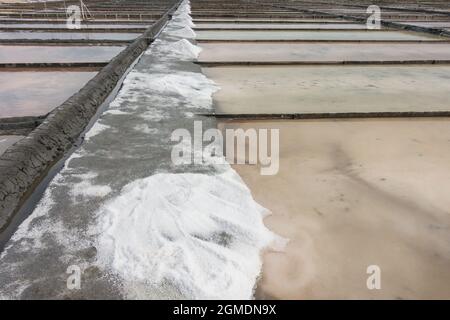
(330, 89)
(354, 193)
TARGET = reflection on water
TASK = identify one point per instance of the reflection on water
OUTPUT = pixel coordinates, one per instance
(37, 93)
(310, 35)
(429, 24)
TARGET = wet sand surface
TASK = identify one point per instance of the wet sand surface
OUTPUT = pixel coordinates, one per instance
(37, 93)
(7, 141)
(35, 54)
(350, 194)
(311, 35)
(216, 52)
(330, 89)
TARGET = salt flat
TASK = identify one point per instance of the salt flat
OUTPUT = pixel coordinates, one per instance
(311, 35)
(330, 89)
(350, 194)
(32, 93)
(293, 52)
